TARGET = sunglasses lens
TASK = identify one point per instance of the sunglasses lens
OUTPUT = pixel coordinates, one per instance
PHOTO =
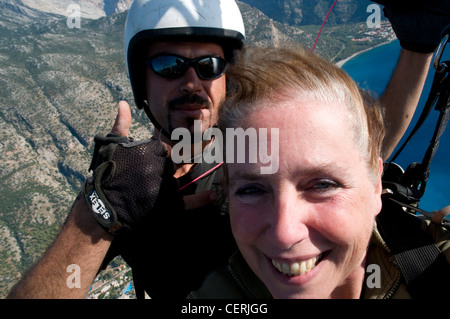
(172, 67)
(168, 66)
(211, 68)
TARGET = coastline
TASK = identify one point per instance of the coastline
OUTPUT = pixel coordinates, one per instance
(342, 62)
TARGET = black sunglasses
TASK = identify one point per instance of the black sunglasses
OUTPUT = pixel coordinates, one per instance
(172, 66)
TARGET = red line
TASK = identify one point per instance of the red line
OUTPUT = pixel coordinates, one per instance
(201, 176)
(320, 31)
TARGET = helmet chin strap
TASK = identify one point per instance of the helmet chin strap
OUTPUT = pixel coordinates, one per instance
(155, 122)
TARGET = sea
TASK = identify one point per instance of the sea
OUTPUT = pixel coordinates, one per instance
(372, 70)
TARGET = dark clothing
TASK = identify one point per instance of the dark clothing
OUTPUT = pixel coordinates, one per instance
(172, 252)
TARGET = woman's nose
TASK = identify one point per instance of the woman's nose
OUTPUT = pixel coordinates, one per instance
(288, 225)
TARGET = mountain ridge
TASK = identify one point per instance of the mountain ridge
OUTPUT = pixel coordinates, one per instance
(293, 12)
(90, 9)
(312, 12)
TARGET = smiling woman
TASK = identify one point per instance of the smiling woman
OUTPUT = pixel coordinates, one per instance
(285, 223)
(307, 230)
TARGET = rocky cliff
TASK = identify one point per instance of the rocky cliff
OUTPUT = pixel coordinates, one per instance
(92, 9)
(309, 12)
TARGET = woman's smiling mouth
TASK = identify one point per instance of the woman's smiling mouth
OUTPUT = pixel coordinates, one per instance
(296, 268)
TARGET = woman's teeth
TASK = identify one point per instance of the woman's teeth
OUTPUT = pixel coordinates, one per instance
(296, 268)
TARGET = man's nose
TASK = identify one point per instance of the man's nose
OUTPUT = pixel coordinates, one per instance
(191, 82)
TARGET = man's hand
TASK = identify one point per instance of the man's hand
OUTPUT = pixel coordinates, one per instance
(129, 179)
(123, 120)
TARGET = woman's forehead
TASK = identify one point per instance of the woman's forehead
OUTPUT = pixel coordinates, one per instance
(305, 132)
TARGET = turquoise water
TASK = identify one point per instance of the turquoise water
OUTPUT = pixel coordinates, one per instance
(371, 70)
(129, 288)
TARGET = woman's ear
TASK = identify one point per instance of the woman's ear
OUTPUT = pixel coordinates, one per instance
(378, 187)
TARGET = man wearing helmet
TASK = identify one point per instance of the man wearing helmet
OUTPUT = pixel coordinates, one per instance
(176, 53)
(162, 41)
(152, 29)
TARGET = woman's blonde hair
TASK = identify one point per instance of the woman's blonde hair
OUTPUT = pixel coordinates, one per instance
(267, 74)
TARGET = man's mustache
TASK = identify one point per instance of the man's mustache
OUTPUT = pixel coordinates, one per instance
(189, 99)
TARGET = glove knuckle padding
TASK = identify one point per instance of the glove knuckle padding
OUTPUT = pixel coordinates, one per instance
(127, 181)
(101, 143)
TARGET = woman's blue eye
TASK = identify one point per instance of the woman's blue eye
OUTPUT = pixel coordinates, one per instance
(325, 185)
(248, 191)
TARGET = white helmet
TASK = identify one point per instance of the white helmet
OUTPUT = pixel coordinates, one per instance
(217, 21)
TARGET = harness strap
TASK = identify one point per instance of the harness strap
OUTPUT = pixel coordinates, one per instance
(417, 174)
(416, 261)
(432, 97)
(421, 262)
(443, 106)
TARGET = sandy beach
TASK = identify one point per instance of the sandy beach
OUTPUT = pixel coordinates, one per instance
(342, 62)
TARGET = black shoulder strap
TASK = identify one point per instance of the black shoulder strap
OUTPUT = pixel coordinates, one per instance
(424, 268)
(439, 97)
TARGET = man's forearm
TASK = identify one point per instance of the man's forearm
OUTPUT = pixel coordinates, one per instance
(402, 95)
(82, 244)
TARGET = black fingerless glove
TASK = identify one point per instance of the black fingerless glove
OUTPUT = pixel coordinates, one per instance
(129, 177)
(418, 24)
